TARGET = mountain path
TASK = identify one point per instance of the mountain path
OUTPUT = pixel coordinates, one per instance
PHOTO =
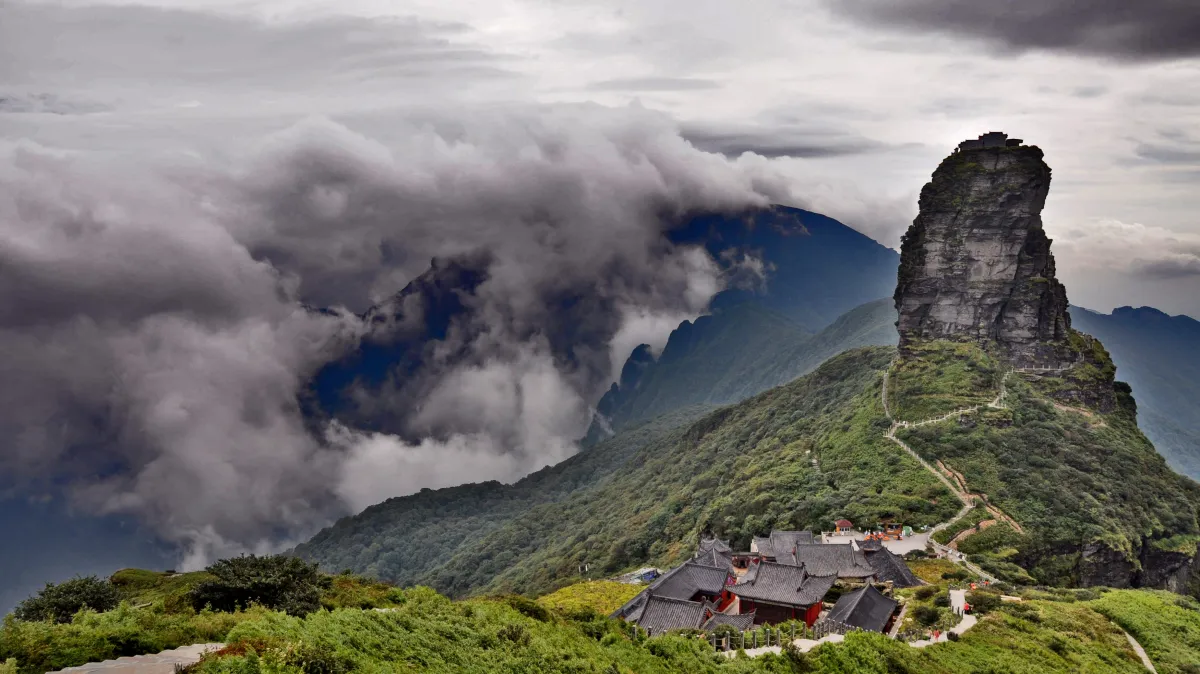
(157, 663)
(964, 495)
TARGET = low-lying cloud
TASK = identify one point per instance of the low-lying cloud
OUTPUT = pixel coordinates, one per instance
(154, 334)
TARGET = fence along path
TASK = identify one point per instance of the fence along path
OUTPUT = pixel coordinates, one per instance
(968, 499)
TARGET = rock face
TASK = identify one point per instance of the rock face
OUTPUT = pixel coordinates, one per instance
(976, 264)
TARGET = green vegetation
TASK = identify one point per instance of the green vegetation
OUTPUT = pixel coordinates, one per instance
(1165, 624)
(1067, 480)
(429, 633)
(798, 456)
(402, 539)
(969, 521)
(1157, 355)
(156, 613)
(288, 584)
(58, 603)
(601, 596)
(739, 351)
(942, 376)
(932, 570)
(90, 637)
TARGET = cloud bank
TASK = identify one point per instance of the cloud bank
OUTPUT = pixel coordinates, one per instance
(1143, 30)
(155, 339)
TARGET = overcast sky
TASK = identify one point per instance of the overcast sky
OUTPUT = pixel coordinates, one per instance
(856, 100)
(176, 176)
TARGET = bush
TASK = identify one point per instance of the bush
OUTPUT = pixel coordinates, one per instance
(279, 582)
(926, 615)
(983, 602)
(59, 603)
(942, 600)
(528, 607)
(9, 666)
(952, 636)
(956, 575)
(925, 592)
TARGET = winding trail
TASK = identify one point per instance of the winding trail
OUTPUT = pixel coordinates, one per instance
(958, 485)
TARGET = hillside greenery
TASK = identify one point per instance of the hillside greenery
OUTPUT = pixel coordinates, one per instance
(1157, 355)
(156, 613)
(1070, 477)
(403, 538)
(796, 457)
(601, 596)
(941, 376)
(57, 602)
(740, 350)
(1165, 624)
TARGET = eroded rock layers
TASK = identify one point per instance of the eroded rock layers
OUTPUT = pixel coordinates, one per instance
(976, 264)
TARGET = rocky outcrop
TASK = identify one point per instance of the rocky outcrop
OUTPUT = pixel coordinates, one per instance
(976, 264)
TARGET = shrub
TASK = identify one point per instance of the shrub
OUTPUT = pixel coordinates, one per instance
(955, 575)
(9, 666)
(279, 582)
(926, 615)
(952, 636)
(925, 592)
(983, 602)
(528, 607)
(60, 602)
(516, 634)
(942, 600)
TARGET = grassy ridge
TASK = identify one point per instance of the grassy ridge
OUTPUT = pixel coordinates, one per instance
(601, 596)
(1165, 624)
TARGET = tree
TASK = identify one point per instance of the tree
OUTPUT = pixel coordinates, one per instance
(278, 582)
(62, 601)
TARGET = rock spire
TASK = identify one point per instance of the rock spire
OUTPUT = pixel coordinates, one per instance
(976, 264)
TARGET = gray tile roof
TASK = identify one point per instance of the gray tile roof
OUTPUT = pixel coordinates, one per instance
(780, 543)
(784, 584)
(889, 566)
(714, 544)
(866, 608)
(722, 559)
(842, 561)
(740, 622)
(663, 614)
(632, 610)
(690, 578)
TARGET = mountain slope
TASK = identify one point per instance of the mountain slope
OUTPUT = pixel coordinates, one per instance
(736, 352)
(796, 456)
(402, 538)
(1158, 355)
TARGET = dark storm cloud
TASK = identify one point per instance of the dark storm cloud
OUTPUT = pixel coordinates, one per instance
(154, 346)
(1119, 29)
(1181, 265)
(654, 84)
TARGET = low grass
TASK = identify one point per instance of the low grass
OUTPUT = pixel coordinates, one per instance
(601, 596)
(91, 637)
(940, 376)
(169, 590)
(931, 570)
(971, 519)
(1165, 624)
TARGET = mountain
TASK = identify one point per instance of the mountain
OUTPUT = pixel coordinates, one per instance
(730, 355)
(1157, 354)
(1051, 439)
(1013, 405)
(796, 456)
(815, 271)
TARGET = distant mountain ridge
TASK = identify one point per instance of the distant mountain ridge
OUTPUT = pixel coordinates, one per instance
(1159, 356)
(816, 271)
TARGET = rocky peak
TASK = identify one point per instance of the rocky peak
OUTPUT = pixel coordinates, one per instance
(976, 264)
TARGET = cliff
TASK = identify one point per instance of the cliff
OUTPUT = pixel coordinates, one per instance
(976, 263)
(976, 266)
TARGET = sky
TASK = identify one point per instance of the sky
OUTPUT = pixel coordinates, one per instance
(179, 177)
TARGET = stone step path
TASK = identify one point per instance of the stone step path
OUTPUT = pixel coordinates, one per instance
(1141, 652)
(158, 663)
